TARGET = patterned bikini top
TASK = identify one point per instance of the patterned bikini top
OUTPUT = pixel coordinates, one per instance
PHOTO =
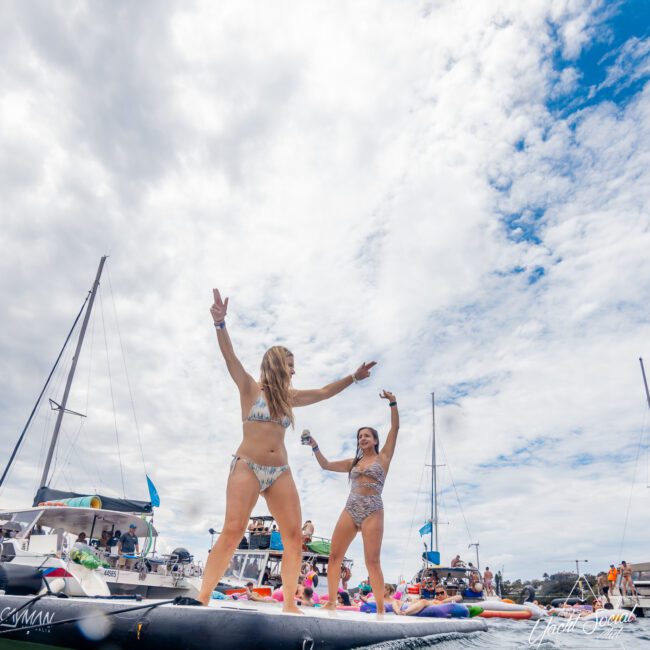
(368, 477)
(260, 413)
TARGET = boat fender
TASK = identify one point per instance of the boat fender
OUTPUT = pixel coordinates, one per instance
(17, 580)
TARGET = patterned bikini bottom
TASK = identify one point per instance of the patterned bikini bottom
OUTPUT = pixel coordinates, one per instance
(361, 506)
(266, 474)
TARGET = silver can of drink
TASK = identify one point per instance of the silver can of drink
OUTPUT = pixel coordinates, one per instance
(305, 437)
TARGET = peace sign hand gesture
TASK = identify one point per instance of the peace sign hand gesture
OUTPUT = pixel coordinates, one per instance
(219, 307)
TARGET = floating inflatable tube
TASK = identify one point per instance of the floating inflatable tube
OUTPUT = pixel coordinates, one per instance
(611, 615)
(447, 610)
(224, 625)
(521, 615)
(504, 606)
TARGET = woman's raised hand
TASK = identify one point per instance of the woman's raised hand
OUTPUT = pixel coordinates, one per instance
(219, 307)
(312, 442)
(363, 371)
(386, 394)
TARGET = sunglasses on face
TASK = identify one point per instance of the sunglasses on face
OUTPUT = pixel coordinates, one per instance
(440, 593)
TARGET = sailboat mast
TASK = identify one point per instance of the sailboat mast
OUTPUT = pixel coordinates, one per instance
(434, 487)
(68, 385)
(645, 381)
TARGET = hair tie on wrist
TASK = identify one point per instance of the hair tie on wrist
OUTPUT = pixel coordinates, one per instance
(315, 449)
(392, 403)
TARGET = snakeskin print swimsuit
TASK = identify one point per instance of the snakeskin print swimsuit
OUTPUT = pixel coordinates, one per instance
(360, 503)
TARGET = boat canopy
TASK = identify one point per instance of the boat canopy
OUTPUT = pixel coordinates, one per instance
(79, 520)
(45, 494)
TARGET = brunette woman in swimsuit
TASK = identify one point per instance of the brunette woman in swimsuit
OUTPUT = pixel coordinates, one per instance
(364, 510)
(259, 465)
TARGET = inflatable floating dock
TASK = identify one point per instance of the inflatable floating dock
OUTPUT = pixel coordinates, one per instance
(159, 625)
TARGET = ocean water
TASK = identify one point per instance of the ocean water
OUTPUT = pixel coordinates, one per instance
(520, 635)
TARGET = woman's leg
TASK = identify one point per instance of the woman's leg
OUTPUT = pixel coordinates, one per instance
(344, 532)
(284, 504)
(242, 493)
(372, 531)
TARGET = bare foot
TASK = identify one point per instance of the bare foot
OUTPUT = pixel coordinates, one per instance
(331, 606)
(291, 608)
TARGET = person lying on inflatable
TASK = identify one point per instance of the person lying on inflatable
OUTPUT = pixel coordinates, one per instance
(441, 598)
(391, 602)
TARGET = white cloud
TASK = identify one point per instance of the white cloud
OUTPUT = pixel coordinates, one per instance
(343, 175)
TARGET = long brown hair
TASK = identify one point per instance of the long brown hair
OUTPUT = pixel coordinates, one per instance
(275, 377)
(359, 455)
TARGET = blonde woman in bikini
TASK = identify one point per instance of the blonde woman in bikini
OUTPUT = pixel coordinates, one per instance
(364, 510)
(259, 465)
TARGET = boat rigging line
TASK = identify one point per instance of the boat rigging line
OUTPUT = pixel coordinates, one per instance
(636, 462)
(126, 372)
(110, 383)
(40, 397)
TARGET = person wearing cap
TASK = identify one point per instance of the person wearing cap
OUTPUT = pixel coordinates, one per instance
(128, 545)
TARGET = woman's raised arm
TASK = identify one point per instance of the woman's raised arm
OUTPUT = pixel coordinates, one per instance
(330, 465)
(391, 439)
(219, 308)
(311, 396)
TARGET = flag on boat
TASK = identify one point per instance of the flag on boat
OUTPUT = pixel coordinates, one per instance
(426, 529)
(153, 493)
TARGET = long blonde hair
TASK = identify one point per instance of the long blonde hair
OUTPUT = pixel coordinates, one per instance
(275, 377)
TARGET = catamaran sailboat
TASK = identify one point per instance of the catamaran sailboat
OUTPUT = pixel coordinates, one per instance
(44, 535)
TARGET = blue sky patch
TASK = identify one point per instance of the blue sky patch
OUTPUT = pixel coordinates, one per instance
(610, 67)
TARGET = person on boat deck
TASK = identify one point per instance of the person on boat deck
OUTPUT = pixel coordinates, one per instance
(307, 533)
(626, 579)
(457, 562)
(603, 585)
(612, 575)
(81, 539)
(428, 586)
(487, 581)
(260, 464)
(364, 510)
(415, 608)
(128, 545)
(105, 539)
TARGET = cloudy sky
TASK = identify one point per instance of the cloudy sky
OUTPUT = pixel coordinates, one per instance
(457, 190)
